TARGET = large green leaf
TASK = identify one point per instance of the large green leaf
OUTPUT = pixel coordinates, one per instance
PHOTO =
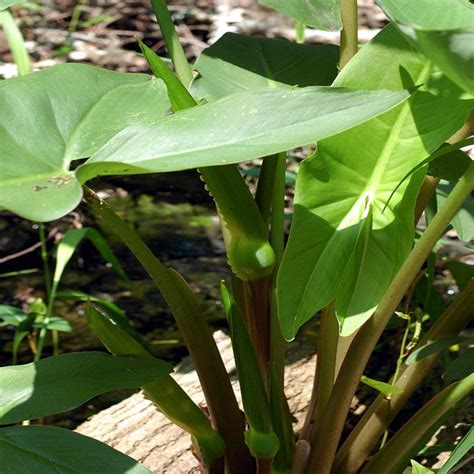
(322, 14)
(52, 117)
(47, 450)
(243, 126)
(238, 62)
(343, 244)
(60, 383)
(9, 3)
(442, 30)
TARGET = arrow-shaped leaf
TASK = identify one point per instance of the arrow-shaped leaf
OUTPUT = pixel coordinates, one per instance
(329, 256)
(49, 118)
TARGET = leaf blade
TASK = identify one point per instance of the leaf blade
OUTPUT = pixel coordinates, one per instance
(63, 382)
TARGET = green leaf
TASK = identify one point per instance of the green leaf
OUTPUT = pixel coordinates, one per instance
(462, 272)
(436, 346)
(461, 367)
(240, 127)
(443, 31)
(334, 251)
(60, 383)
(450, 166)
(322, 14)
(463, 221)
(47, 449)
(69, 243)
(382, 387)
(9, 3)
(463, 447)
(55, 323)
(237, 62)
(12, 315)
(417, 468)
(120, 338)
(64, 113)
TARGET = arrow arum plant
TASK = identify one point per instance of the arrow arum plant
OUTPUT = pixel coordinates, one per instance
(381, 126)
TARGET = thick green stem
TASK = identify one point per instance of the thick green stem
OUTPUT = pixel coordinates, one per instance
(324, 445)
(325, 370)
(266, 186)
(404, 444)
(349, 37)
(376, 419)
(212, 374)
(175, 50)
(279, 404)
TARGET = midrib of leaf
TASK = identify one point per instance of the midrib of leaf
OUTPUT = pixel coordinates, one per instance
(190, 151)
(369, 192)
(36, 455)
(394, 137)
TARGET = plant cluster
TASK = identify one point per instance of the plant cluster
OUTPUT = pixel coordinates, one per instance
(388, 123)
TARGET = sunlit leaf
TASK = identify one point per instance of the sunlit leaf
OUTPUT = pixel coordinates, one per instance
(442, 30)
(382, 387)
(237, 62)
(334, 252)
(322, 14)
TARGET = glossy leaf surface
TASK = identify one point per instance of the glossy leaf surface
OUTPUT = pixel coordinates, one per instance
(442, 30)
(47, 449)
(322, 14)
(237, 62)
(239, 127)
(60, 383)
(64, 113)
(343, 243)
(436, 346)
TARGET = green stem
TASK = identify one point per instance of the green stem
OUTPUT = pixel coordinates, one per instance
(16, 42)
(324, 446)
(44, 258)
(360, 442)
(349, 39)
(281, 415)
(325, 370)
(394, 456)
(180, 298)
(175, 50)
(266, 186)
(44, 329)
(300, 28)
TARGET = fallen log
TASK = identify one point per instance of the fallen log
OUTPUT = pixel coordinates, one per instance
(136, 428)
